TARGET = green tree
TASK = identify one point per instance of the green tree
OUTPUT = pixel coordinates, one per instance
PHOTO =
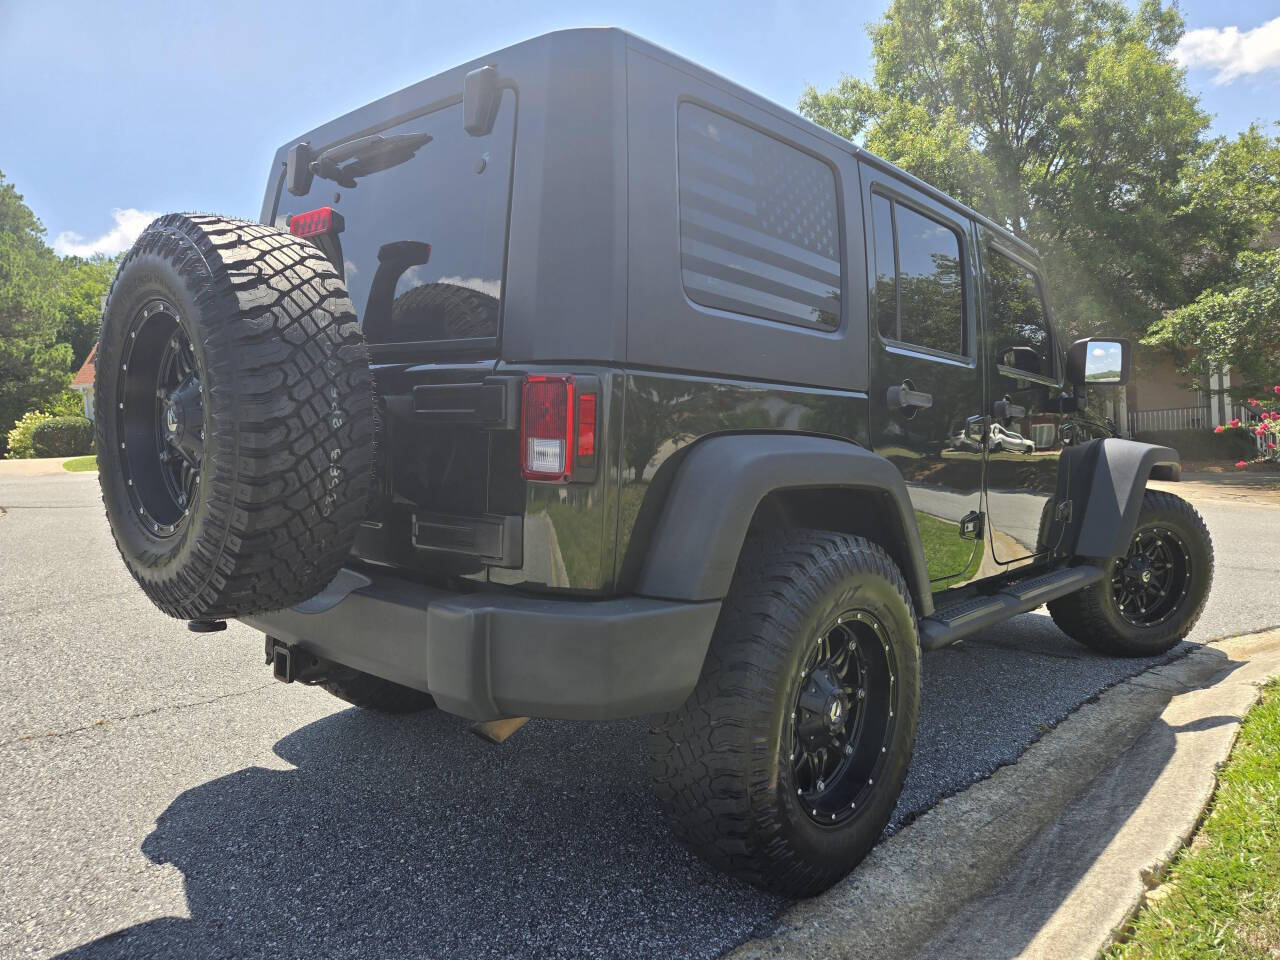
(1231, 202)
(82, 285)
(1066, 120)
(1233, 324)
(34, 366)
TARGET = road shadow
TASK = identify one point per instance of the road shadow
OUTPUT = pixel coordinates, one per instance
(411, 837)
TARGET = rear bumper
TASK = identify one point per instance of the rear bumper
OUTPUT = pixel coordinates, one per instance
(486, 656)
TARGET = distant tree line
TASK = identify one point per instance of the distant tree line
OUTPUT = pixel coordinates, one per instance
(50, 307)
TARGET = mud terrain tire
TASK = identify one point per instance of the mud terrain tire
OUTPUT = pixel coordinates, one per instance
(234, 417)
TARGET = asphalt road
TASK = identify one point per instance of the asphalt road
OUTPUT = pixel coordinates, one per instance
(162, 797)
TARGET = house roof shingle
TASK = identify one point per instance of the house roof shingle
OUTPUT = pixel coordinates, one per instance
(84, 376)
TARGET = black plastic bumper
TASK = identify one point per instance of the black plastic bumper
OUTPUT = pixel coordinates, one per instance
(486, 656)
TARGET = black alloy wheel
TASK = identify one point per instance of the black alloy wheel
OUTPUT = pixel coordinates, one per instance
(1153, 593)
(160, 419)
(842, 717)
(1150, 582)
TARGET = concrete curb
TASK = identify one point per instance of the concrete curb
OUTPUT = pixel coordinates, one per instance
(1050, 856)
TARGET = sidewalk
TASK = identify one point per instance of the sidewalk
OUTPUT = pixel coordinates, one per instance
(1254, 487)
(1051, 855)
(34, 467)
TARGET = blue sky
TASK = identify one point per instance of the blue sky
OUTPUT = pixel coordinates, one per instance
(110, 112)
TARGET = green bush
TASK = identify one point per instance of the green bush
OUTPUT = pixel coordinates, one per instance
(20, 436)
(1231, 444)
(62, 437)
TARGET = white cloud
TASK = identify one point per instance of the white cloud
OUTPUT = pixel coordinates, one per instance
(490, 288)
(1232, 52)
(129, 224)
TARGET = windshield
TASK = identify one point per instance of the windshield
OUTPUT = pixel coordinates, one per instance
(424, 207)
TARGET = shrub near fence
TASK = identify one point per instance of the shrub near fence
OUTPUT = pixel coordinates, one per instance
(62, 437)
(1230, 445)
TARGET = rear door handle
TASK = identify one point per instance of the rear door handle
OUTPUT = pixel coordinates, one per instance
(907, 397)
(1006, 409)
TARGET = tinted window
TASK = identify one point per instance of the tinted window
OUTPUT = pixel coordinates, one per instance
(440, 187)
(930, 294)
(1019, 330)
(885, 292)
(929, 288)
(759, 225)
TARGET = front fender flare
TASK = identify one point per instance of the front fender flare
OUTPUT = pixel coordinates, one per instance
(1121, 469)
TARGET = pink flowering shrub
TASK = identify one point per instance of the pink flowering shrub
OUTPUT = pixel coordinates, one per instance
(1266, 429)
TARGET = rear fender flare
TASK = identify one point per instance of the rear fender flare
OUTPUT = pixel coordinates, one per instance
(722, 481)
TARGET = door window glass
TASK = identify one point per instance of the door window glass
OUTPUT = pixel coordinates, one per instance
(1019, 327)
(919, 284)
(886, 268)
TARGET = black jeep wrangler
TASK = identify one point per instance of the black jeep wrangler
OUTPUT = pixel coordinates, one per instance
(579, 382)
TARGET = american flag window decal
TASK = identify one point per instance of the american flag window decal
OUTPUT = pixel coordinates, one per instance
(759, 227)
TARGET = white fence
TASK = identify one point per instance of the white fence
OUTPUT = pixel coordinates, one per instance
(1173, 418)
(1190, 418)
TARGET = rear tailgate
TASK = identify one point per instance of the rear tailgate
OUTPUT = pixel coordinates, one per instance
(420, 239)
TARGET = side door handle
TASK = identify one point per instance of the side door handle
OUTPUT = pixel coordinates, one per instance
(907, 397)
(1006, 409)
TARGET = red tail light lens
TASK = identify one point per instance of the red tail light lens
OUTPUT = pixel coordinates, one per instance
(546, 426)
(314, 223)
(586, 446)
(558, 427)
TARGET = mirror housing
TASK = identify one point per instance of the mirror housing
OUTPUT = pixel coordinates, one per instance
(1092, 362)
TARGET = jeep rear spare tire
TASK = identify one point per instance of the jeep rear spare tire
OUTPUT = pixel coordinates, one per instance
(234, 417)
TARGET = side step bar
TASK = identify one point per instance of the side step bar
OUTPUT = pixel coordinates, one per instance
(955, 622)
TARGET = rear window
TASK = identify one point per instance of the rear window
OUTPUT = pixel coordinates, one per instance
(759, 224)
(441, 187)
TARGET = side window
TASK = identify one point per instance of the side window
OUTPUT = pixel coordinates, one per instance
(759, 223)
(919, 280)
(886, 268)
(1019, 327)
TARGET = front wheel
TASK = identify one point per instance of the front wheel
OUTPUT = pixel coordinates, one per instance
(785, 763)
(1154, 594)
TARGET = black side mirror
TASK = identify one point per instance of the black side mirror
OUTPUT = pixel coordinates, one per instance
(1098, 361)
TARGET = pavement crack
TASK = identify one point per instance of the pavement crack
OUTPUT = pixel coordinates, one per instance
(98, 724)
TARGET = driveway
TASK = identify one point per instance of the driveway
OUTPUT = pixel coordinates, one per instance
(163, 797)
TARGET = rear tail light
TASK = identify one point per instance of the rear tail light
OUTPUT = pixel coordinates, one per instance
(558, 428)
(315, 223)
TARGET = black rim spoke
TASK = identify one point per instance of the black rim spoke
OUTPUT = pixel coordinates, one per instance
(842, 717)
(160, 419)
(1149, 583)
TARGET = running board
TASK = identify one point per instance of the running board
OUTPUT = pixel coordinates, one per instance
(951, 623)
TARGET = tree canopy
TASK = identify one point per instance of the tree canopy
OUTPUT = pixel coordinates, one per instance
(1066, 120)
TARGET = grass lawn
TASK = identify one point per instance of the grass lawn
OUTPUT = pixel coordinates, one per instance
(944, 550)
(81, 464)
(1222, 895)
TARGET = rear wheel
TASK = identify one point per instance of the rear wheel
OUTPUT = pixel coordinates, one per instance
(785, 763)
(1154, 594)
